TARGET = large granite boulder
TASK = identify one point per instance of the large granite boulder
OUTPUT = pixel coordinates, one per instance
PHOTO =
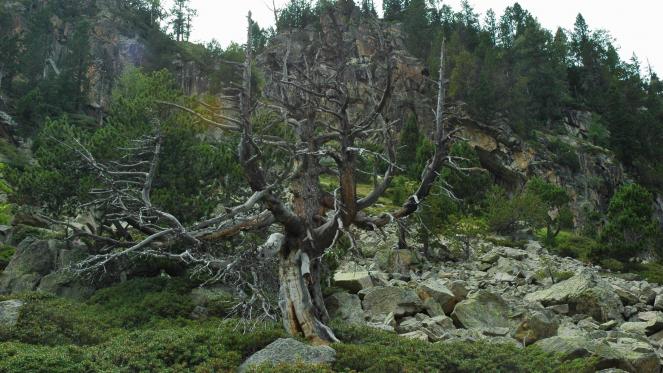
(288, 351)
(34, 258)
(569, 347)
(353, 281)
(381, 301)
(434, 289)
(483, 310)
(9, 312)
(585, 293)
(536, 324)
(65, 284)
(346, 307)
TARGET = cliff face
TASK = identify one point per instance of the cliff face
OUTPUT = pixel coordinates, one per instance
(590, 173)
(116, 38)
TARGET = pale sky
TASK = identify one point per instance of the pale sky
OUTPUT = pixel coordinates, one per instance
(635, 24)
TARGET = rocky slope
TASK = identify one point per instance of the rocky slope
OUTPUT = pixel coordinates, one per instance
(508, 295)
(521, 296)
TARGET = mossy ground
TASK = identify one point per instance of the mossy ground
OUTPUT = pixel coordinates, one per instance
(143, 325)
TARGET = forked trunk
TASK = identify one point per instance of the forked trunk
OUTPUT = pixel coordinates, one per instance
(300, 298)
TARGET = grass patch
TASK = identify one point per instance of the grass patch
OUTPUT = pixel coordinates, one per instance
(652, 272)
(571, 245)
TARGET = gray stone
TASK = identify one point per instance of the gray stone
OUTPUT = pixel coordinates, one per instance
(33, 260)
(636, 356)
(353, 281)
(561, 309)
(382, 300)
(585, 293)
(346, 307)
(482, 310)
(435, 289)
(568, 346)
(653, 319)
(409, 325)
(504, 277)
(288, 350)
(9, 312)
(65, 284)
(418, 335)
(658, 302)
(636, 327)
(609, 325)
(536, 325)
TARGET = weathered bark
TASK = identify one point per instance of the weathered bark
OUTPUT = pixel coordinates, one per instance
(300, 314)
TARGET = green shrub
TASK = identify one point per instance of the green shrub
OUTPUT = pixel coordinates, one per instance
(564, 154)
(138, 301)
(612, 264)
(630, 231)
(20, 357)
(575, 246)
(6, 253)
(652, 272)
(54, 321)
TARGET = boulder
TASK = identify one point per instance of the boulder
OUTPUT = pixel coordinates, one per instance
(585, 293)
(658, 302)
(353, 281)
(9, 312)
(380, 301)
(568, 346)
(435, 289)
(635, 327)
(65, 284)
(418, 335)
(536, 325)
(288, 351)
(653, 319)
(396, 260)
(34, 258)
(482, 310)
(636, 356)
(408, 325)
(346, 307)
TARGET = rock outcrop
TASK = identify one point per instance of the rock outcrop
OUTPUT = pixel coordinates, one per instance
(9, 312)
(289, 351)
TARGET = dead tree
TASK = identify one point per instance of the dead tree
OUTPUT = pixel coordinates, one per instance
(330, 115)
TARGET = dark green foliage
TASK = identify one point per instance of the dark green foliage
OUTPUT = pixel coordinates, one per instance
(410, 141)
(193, 174)
(504, 213)
(6, 253)
(296, 14)
(652, 271)
(564, 154)
(630, 231)
(556, 202)
(575, 246)
(56, 335)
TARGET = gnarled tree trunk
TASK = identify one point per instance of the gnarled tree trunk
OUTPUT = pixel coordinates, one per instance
(300, 298)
